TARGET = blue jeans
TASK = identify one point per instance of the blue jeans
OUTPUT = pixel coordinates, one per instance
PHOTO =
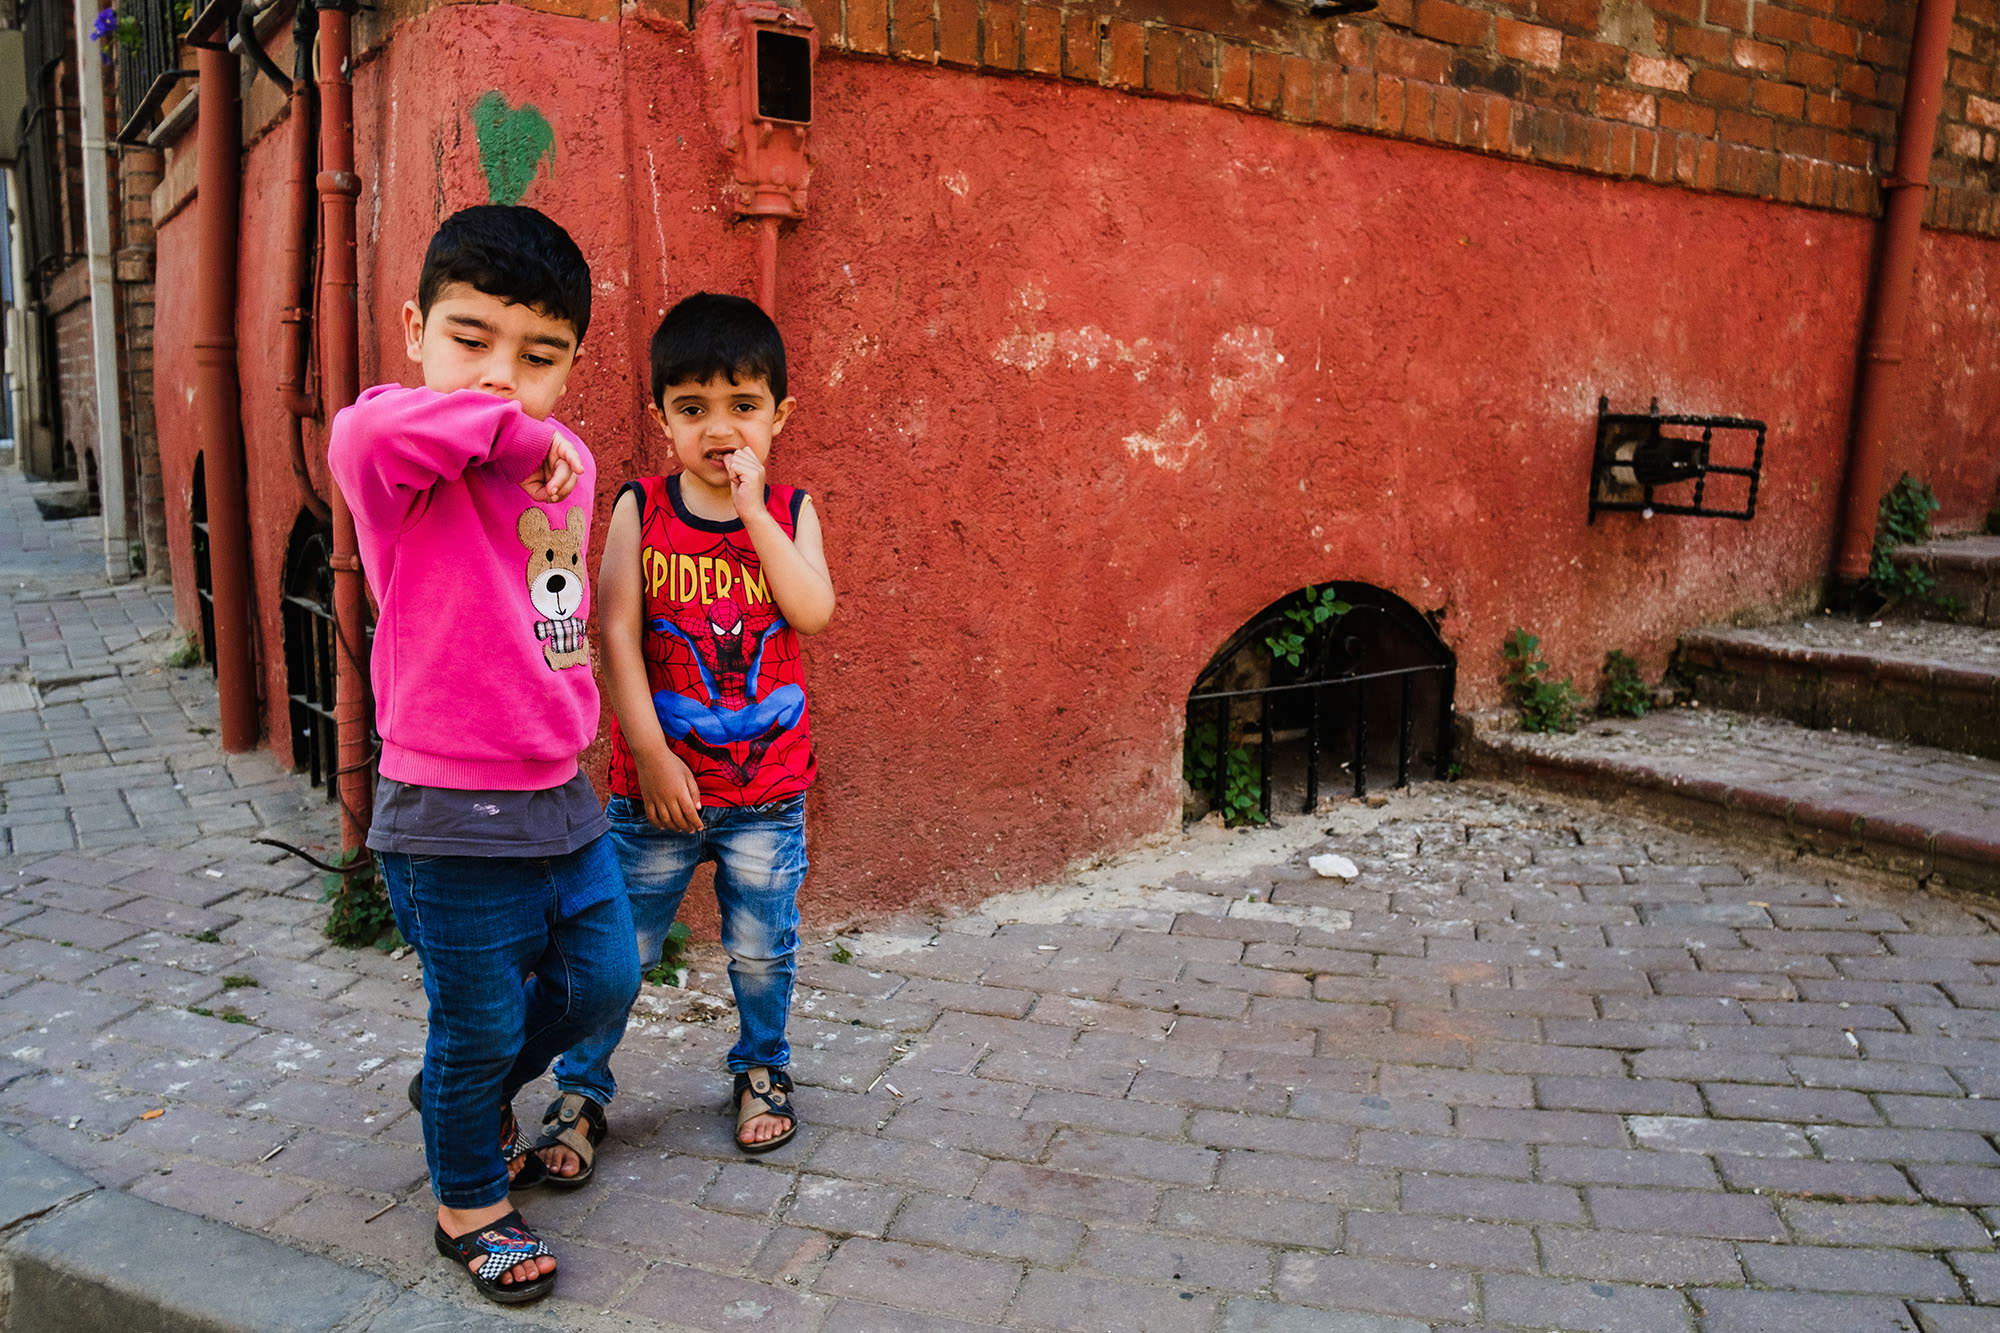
(513, 980)
(760, 860)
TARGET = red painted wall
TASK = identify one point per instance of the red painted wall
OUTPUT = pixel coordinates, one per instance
(1085, 381)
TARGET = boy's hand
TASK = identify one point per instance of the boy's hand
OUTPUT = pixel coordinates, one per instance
(672, 799)
(556, 477)
(746, 482)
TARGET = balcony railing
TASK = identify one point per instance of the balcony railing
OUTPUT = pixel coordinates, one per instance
(147, 46)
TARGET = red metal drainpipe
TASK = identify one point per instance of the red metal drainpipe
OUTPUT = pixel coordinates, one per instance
(340, 385)
(1889, 300)
(297, 316)
(767, 264)
(219, 144)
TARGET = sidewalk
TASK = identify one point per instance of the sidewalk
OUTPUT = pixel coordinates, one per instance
(1536, 1066)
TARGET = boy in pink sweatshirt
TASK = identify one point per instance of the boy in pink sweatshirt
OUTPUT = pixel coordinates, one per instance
(472, 508)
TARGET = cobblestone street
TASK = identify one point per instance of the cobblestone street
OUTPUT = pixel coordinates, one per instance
(1535, 1066)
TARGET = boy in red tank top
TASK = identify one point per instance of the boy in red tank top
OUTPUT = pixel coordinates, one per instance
(709, 577)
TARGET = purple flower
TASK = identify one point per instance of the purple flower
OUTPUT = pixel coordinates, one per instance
(107, 23)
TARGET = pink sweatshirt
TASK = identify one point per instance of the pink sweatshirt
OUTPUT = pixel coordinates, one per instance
(481, 672)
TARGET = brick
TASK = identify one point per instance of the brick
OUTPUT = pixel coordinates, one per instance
(1374, 1287)
(958, 32)
(1064, 1193)
(1811, 70)
(1917, 1227)
(1080, 46)
(1623, 1166)
(1623, 1257)
(858, 1157)
(879, 1271)
(912, 31)
(1486, 1157)
(1411, 58)
(1087, 1304)
(1298, 77)
(1454, 24)
(987, 1229)
(1748, 1102)
(1976, 1186)
(1232, 87)
(1491, 1199)
(1814, 1268)
(1719, 89)
(1903, 1145)
(1395, 1236)
(1764, 57)
(1875, 1181)
(1607, 1094)
(1250, 1217)
(1205, 1261)
(1314, 1179)
(1599, 1305)
(1000, 43)
(1873, 1075)
(1041, 38)
(1602, 1131)
(1758, 1311)
(1127, 62)
(1528, 42)
(1685, 1213)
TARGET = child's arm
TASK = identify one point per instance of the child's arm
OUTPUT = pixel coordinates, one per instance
(666, 785)
(390, 448)
(795, 566)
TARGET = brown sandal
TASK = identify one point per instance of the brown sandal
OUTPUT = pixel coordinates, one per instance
(578, 1123)
(763, 1091)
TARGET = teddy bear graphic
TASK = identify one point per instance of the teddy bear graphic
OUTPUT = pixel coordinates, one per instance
(555, 584)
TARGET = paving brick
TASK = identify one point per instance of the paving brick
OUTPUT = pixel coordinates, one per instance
(240, 1198)
(1651, 1095)
(986, 1229)
(692, 1298)
(954, 1284)
(1579, 1127)
(988, 1135)
(1205, 1261)
(1810, 1178)
(1873, 1075)
(1065, 1193)
(1493, 1200)
(1668, 1261)
(1303, 1137)
(852, 1156)
(1111, 1113)
(1981, 1116)
(1763, 1311)
(1689, 1134)
(1954, 1318)
(1096, 1153)
(1085, 1304)
(1250, 1217)
(1374, 1287)
(1484, 1157)
(1607, 1306)
(1982, 1274)
(1685, 1213)
(1740, 1101)
(1977, 1186)
(1909, 1227)
(1904, 1145)
(1816, 1268)
(1251, 1316)
(1482, 1245)
(1625, 1166)
(1307, 1178)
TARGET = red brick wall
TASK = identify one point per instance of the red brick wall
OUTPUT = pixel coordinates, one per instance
(69, 302)
(1794, 101)
(138, 174)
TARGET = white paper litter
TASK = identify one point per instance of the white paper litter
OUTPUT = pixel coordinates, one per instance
(1329, 866)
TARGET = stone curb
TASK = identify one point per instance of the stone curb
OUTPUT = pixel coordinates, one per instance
(1965, 858)
(82, 1258)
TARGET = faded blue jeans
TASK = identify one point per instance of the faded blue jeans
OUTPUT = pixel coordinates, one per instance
(760, 860)
(514, 977)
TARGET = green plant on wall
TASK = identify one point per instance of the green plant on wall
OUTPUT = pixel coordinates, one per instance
(1242, 798)
(1624, 692)
(360, 915)
(1544, 704)
(512, 143)
(1902, 519)
(1313, 608)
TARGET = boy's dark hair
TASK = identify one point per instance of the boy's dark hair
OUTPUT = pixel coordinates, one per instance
(708, 334)
(513, 252)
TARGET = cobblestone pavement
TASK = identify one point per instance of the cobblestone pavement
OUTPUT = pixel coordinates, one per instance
(1533, 1066)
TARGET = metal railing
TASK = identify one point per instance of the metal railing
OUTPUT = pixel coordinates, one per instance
(1346, 667)
(147, 63)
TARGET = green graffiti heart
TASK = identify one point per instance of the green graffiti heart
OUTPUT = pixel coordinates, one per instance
(512, 142)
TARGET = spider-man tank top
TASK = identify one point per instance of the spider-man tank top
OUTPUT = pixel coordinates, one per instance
(723, 666)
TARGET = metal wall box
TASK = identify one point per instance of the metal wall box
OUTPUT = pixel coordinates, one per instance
(1662, 463)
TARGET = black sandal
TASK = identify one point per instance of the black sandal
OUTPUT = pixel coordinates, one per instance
(513, 1146)
(578, 1123)
(763, 1091)
(499, 1246)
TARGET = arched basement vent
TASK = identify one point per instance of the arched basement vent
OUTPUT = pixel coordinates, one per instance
(308, 628)
(1339, 678)
(204, 582)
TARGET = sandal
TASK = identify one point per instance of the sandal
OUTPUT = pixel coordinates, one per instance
(499, 1246)
(575, 1122)
(763, 1091)
(512, 1145)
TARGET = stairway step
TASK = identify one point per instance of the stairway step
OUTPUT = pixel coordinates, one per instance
(1906, 809)
(1921, 681)
(1966, 571)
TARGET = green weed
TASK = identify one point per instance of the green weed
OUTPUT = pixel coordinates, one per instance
(1543, 703)
(1242, 801)
(360, 915)
(671, 969)
(1624, 693)
(1902, 519)
(1314, 608)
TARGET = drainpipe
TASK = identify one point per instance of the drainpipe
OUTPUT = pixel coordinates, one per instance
(767, 264)
(22, 345)
(103, 317)
(218, 166)
(1889, 301)
(297, 260)
(340, 385)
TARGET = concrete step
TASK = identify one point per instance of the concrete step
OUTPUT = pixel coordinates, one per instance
(1907, 680)
(1966, 571)
(1907, 810)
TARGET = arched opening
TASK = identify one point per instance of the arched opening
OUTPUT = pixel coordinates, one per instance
(1341, 683)
(307, 612)
(91, 499)
(204, 582)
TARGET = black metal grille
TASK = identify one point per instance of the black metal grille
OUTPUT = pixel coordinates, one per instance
(1379, 669)
(43, 24)
(146, 66)
(1660, 463)
(310, 640)
(204, 584)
